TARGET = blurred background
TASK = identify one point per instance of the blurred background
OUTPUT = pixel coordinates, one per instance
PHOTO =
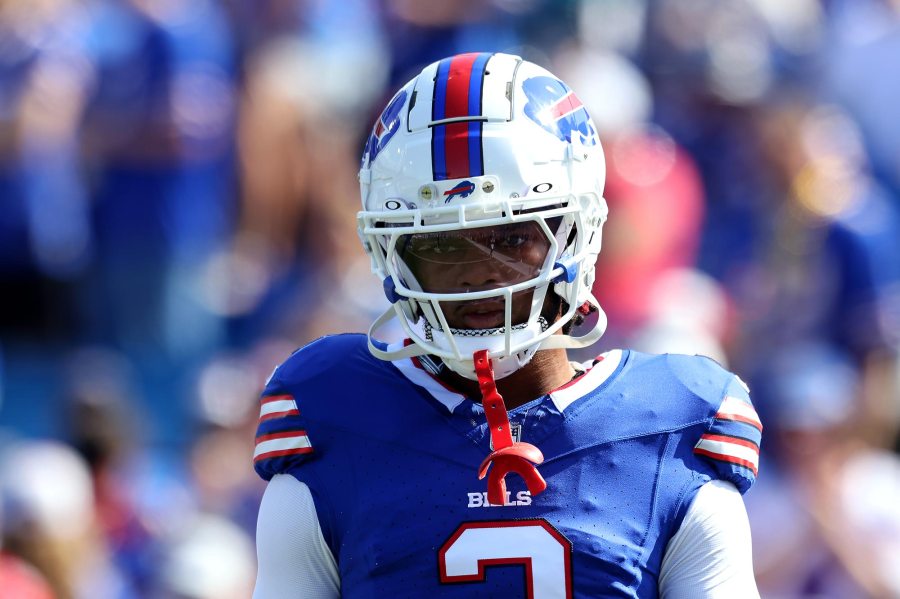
(177, 214)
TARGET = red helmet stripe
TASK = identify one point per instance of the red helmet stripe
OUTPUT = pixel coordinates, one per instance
(458, 81)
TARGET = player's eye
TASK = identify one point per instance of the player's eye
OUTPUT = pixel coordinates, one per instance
(518, 237)
(512, 241)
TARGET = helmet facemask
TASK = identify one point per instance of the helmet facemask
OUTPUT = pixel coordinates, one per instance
(480, 276)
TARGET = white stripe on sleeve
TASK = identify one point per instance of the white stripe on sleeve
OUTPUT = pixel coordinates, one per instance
(296, 441)
(277, 406)
(729, 449)
(732, 406)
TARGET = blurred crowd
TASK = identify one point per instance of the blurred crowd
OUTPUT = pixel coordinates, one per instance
(177, 214)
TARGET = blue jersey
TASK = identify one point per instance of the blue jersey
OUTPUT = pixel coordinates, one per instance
(391, 456)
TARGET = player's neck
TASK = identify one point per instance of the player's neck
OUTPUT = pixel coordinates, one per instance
(547, 370)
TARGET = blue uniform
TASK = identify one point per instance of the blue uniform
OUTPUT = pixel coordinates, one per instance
(390, 457)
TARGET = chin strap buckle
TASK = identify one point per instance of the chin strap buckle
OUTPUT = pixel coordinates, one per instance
(507, 456)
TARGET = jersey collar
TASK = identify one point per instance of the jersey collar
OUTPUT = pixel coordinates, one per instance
(597, 372)
(420, 373)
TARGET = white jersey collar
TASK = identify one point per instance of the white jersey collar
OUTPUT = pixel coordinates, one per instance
(598, 371)
(415, 372)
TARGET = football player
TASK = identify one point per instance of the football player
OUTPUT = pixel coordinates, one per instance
(473, 459)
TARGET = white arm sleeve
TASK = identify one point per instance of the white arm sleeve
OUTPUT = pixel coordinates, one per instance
(294, 560)
(710, 555)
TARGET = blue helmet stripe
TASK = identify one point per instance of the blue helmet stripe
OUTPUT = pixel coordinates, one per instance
(438, 112)
(476, 87)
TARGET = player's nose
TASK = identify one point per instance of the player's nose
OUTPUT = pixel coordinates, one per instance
(481, 275)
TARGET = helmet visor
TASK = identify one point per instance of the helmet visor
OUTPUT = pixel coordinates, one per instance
(477, 259)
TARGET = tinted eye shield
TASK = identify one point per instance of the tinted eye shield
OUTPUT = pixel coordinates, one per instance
(507, 243)
(472, 263)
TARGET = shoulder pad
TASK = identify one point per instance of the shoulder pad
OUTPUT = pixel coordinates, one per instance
(282, 440)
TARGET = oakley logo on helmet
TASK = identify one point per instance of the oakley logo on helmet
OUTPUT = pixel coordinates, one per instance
(385, 126)
(462, 190)
(558, 110)
(397, 204)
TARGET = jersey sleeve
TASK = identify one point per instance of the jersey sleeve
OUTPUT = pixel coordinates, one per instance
(731, 441)
(282, 441)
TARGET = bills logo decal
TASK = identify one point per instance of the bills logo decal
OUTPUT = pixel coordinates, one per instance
(385, 127)
(463, 190)
(556, 108)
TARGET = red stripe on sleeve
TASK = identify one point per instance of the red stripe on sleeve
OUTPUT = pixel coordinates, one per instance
(291, 412)
(282, 452)
(727, 458)
(738, 418)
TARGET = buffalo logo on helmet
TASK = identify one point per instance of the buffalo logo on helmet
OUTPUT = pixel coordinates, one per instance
(463, 190)
(386, 126)
(556, 108)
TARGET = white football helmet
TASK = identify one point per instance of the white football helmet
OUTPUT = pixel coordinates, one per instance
(476, 161)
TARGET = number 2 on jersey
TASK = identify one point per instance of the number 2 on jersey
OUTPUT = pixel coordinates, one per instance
(545, 554)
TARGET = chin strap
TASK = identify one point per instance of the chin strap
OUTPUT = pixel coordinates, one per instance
(507, 456)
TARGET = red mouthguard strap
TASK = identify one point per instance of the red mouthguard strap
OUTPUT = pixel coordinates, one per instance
(507, 456)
